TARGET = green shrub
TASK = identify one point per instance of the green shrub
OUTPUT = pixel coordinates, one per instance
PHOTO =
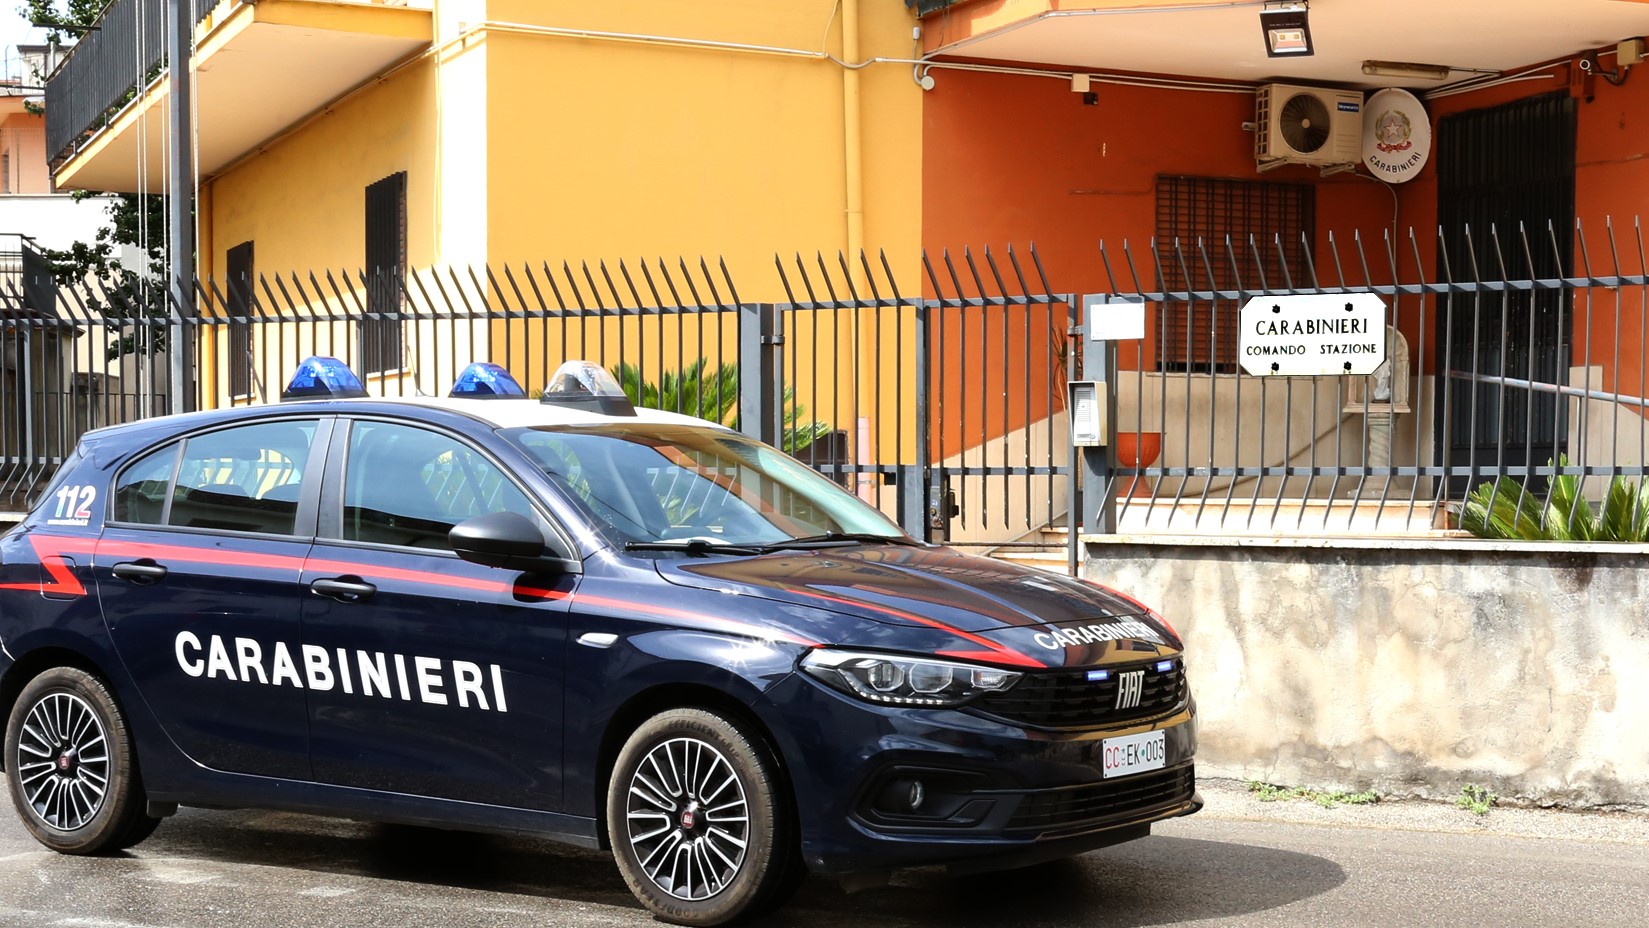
(714, 395)
(1507, 509)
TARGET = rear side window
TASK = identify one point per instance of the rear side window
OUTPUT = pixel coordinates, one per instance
(409, 486)
(140, 493)
(246, 479)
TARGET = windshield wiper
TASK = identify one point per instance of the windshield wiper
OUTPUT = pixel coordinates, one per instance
(833, 539)
(695, 546)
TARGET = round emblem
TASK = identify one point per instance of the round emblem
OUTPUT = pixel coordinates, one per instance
(1396, 135)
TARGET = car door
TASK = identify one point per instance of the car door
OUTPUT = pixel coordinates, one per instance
(197, 572)
(448, 674)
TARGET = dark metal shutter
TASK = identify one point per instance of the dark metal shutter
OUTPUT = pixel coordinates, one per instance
(39, 287)
(386, 260)
(1505, 172)
(240, 312)
(1202, 335)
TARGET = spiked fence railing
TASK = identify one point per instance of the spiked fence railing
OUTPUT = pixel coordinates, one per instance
(944, 404)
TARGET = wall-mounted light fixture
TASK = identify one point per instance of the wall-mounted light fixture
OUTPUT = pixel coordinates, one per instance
(1287, 33)
(1429, 72)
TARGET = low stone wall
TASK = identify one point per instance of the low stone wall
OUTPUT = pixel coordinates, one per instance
(1412, 667)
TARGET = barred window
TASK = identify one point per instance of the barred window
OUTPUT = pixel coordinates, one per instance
(1201, 335)
(386, 262)
(240, 307)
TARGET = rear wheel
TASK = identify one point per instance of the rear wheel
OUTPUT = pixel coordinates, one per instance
(699, 820)
(70, 766)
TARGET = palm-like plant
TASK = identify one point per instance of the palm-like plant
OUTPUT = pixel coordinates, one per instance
(1507, 509)
(695, 390)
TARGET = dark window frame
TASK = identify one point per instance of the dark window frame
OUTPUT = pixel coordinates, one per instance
(1201, 336)
(241, 296)
(379, 339)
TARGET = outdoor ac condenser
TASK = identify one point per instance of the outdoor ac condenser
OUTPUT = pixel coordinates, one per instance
(1307, 125)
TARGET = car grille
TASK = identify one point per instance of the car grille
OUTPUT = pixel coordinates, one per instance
(1072, 809)
(1068, 699)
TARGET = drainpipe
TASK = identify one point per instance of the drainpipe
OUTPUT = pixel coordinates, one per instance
(853, 148)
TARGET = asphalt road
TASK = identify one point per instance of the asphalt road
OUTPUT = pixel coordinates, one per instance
(1240, 863)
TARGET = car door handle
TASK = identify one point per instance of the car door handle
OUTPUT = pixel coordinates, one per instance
(143, 571)
(343, 589)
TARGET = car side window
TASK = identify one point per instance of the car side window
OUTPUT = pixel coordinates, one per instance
(246, 478)
(140, 493)
(409, 486)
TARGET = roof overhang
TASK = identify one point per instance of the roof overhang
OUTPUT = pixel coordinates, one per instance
(259, 70)
(1221, 39)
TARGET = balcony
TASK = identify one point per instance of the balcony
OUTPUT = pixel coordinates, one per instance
(260, 68)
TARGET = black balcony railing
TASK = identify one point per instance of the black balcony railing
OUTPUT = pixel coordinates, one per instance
(107, 67)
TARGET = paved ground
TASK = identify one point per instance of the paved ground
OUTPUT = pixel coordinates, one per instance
(1240, 863)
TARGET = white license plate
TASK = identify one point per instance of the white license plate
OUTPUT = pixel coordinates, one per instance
(1120, 757)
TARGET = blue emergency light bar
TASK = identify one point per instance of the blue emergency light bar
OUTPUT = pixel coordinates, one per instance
(484, 380)
(320, 377)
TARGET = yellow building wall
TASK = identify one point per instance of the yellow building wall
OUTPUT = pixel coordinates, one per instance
(302, 202)
(623, 148)
(523, 146)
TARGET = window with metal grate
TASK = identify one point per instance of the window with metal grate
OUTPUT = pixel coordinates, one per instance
(386, 262)
(1200, 214)
(240, 308)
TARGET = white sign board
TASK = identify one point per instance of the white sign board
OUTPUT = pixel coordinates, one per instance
(1396, 135)
(1113, 318)
(1312, 335)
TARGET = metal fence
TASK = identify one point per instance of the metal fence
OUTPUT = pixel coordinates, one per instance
(916, 404)
(1492, 372)
(941, 399)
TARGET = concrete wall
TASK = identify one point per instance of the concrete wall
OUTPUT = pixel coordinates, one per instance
(1413, 668)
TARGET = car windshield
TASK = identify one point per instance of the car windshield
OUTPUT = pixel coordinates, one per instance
(699, 487)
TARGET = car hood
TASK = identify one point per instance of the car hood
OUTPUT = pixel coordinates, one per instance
(941, 600)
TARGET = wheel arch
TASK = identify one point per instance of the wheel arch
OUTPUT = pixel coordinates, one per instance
(35, 662)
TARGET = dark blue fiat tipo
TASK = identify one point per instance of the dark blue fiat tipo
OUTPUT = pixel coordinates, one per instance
(566, 617)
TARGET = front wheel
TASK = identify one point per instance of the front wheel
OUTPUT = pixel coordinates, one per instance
(70, 766)
(699, 820)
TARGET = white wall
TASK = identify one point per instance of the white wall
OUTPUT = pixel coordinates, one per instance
(54, 220)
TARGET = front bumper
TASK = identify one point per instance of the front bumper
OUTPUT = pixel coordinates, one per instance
(992, 795)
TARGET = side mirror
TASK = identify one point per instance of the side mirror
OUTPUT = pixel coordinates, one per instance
(509, 540)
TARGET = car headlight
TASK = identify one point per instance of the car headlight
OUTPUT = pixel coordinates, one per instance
(905, 681)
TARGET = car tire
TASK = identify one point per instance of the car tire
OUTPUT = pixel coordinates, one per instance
(70, 766)
(674, 805)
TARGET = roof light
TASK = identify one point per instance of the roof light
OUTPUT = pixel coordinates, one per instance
(323, 378)
(587, 385)
(484, 380)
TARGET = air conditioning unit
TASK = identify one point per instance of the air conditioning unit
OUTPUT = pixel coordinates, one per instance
(1307, 125)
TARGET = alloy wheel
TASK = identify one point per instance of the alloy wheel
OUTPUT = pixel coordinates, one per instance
(63, 761)
(687, 818)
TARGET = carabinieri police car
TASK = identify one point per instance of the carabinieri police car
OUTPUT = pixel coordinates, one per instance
(621, 628)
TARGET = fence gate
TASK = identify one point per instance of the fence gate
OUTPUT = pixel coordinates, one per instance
(955, 420)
